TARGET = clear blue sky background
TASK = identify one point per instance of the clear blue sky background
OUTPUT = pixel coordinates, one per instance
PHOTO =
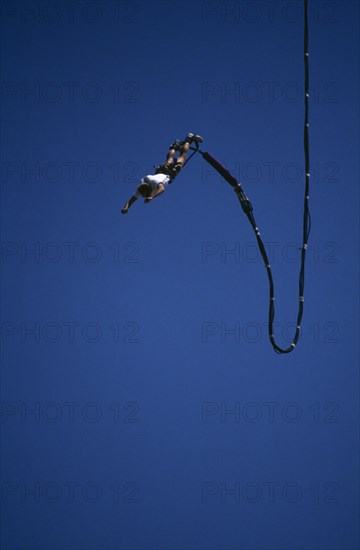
(132, 370)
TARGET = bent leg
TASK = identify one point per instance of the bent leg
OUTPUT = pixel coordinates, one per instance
(170, 156)
(183, 153)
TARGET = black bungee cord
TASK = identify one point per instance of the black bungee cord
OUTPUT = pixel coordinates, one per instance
(248, 209)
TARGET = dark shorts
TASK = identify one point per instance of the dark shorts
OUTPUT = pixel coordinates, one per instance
(170, 170)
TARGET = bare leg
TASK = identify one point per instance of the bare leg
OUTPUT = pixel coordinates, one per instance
(172, 165)
(183, 153)
(170, 156)
(170, 159)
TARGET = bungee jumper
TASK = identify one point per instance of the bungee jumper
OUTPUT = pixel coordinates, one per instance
(154, 185)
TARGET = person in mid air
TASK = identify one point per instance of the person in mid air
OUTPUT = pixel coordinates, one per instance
(153, 186)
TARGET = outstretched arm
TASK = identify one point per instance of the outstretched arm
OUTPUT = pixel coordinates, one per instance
(160, 189)
(128, 204)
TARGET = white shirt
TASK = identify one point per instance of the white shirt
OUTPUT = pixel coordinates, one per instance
(154, 181)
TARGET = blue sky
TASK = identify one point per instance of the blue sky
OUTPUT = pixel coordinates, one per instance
(142, 403)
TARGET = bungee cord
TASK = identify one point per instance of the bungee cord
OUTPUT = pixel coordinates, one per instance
(248, 209)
